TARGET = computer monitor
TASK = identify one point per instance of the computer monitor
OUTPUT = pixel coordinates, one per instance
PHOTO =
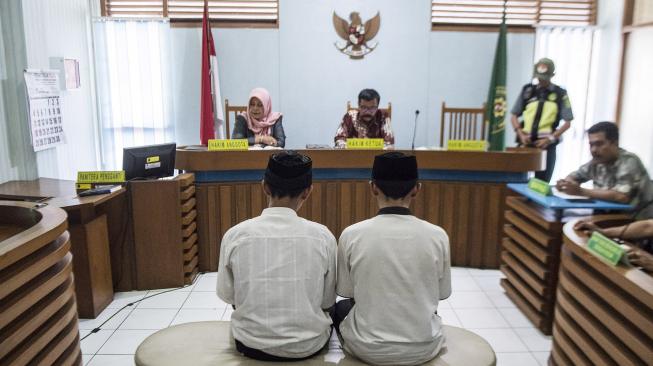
(149, 162)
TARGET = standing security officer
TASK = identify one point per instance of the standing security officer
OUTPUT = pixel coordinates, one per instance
(541, 107)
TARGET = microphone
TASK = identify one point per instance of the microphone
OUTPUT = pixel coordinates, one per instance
(415, 128)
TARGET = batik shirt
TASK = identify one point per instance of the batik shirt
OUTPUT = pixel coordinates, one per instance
(352, 127)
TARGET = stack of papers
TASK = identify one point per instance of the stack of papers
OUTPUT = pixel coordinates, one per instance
(566, 196)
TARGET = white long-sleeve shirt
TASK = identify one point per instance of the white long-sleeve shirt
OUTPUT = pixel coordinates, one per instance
(397, 268)
(279, 270)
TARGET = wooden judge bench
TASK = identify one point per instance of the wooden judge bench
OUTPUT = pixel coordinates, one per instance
(463, 192)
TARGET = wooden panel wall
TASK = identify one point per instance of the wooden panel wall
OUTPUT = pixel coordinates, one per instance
(471, 213)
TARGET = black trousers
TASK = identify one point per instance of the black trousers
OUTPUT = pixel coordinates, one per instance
(340, 311)
(545, 175)
(262, 356)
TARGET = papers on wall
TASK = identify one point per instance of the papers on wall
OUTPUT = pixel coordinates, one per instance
(44, 105)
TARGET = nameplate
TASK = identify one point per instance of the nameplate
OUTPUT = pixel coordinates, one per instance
(539, 186)
(365, 144)
(228, 145)
(467, 145)
(605, 248)
(115, 176)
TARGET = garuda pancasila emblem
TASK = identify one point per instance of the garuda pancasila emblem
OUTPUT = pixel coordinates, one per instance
(356, 34)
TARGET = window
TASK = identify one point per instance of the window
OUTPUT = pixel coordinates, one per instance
(261, 13)
(479, 14)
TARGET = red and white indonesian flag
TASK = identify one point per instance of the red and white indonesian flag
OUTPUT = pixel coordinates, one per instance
(211, 113)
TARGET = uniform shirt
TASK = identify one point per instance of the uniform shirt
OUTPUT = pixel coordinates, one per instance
(626, 175)
(279, 270)
(352, 127)
(397, 268)
(526, 106)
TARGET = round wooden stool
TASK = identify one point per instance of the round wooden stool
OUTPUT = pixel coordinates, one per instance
(210, 343)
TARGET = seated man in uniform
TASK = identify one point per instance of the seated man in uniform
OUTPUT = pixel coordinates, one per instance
(617, 174)
(394, 268)
(367, 122)
(279, 270)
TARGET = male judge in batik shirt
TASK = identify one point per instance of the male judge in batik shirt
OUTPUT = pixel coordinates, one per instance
(367, 122)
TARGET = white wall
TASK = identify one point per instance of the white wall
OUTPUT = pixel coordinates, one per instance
(60, 28)
(310, 81)
(247, 58)
(636, 109)
(605, 58)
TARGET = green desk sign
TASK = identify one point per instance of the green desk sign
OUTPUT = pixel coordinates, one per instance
(605, 248)
(539, 186)
(364, 144)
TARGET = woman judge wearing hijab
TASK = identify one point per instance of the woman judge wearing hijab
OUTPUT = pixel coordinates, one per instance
(259, 125)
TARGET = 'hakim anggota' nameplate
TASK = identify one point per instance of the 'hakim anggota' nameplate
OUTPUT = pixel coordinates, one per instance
(467, 145)
(228, 145)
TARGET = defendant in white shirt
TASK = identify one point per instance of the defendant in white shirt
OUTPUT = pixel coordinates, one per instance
(394, 268)
(279, 270)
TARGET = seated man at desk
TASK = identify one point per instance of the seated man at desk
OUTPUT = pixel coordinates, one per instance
(368, 121)
(617, 174)
(259, 125)
(637, 230)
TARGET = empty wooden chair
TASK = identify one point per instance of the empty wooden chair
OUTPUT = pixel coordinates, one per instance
(228, 111)
(462, 124)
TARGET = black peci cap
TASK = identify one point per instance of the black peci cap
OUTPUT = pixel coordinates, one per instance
(289, 170)
(394, 167)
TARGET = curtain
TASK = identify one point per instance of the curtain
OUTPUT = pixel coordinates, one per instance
(134, 85)
(571, 50)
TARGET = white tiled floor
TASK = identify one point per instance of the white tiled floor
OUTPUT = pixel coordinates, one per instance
(478, 303)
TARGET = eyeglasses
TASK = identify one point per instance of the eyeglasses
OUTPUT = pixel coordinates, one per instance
(368, 109)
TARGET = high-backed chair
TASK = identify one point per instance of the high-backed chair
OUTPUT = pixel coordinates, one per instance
(462, 124)
(228, 110)
(387, 110)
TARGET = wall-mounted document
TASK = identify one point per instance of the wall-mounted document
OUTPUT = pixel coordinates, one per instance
(45, 109)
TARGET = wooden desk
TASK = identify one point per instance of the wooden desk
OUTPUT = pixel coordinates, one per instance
(38, 314)
(463, 192)
(165, 250)
(603, 313)
(531, 249)
(95, 222)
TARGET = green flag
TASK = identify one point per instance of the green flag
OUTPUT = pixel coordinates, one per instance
(495, 107)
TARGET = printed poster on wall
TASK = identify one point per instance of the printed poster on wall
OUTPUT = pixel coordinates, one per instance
(44, 105)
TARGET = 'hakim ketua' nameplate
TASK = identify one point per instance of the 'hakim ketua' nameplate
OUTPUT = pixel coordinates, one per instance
(364, 144)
